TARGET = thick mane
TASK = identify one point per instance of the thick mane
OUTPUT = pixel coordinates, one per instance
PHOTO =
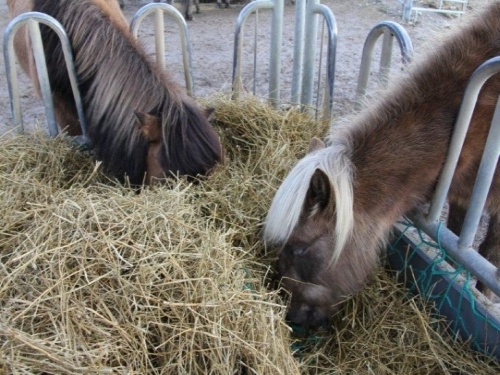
(288, 203)
(192, 146)
(116, 78)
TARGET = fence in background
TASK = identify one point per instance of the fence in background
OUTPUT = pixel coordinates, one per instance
(306, 27)
(159, 11)
(456, 7)
(390, 31)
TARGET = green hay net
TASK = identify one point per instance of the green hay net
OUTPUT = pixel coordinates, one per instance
(428, 270)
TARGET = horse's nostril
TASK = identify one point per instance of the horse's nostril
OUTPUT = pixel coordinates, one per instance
(299, 315)
(304, 318)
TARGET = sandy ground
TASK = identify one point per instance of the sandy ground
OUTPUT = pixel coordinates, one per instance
(212, 41)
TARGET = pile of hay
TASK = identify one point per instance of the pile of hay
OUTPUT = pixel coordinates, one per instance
(96, 278)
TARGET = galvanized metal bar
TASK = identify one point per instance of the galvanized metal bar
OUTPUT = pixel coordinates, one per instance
(445, 11)
(482, 269)
(160, 38)
(482, 186)
(11, 74)
(43, 75)
(308, 73)
(395, 31)
(32, 19)
(238, 41)
(304, 51)
(320, 67)
(275, 58)
(331, 26)
(298, 50)
(385, 58)
(476, 81)
(159, 10)
(70, 66)
(407, 6)
(255, 49)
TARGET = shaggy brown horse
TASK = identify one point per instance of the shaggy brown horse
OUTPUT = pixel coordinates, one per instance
(141, 123)
(333, 212)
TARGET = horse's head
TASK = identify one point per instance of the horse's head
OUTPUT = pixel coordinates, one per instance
(319, 262)
(191, 147)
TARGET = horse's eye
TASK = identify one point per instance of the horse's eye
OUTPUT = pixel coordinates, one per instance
(300, 251)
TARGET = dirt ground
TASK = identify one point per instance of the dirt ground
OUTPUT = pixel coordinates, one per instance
(212, 41)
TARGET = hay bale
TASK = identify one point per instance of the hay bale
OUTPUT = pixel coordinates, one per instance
(96, 278)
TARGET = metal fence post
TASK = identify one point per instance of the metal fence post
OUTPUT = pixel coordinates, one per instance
(32, 21)
(238, 41)
(390, 30)
(460, 248)
(306, 14)
(159, 10)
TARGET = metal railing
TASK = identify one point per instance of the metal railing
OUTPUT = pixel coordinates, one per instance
(460, 247)
(32, 21)
(390, 31)
(306, 24)
(160, 10)
(409, 9)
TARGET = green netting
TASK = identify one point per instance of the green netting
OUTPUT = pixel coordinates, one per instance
(428, 270)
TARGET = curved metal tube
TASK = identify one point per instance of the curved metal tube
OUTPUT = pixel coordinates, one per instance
(331, 25)
(310, 37)
(304, 50)
(298, 50)
(483, 182)
(159, 10)
(390, 30)
(476, 82)
(32, 20)
(238, 40)
(460, 248)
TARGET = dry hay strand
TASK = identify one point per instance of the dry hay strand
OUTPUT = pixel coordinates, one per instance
(384, 331)
(96, 277)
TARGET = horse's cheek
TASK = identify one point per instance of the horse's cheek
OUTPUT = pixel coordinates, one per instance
(154, 170)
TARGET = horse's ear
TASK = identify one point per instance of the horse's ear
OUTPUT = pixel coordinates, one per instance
(209, 113)
(319, 192)
(315, 144)
(150, 126)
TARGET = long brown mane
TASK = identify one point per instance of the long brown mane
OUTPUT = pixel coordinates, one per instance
(116, 78)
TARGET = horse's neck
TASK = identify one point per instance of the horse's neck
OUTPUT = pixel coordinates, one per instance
(397, 160)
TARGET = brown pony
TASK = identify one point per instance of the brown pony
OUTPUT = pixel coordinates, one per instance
(333, 213)
(141, 123)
